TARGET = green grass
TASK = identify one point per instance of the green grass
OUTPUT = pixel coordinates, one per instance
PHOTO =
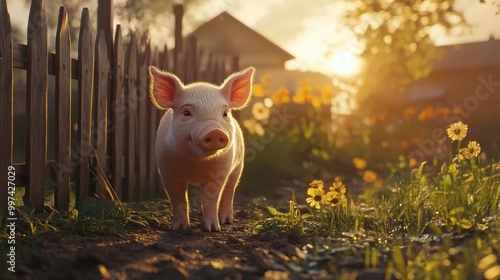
(436, 221)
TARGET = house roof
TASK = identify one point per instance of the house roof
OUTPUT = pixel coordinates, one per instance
(225, 35)
(469, 55)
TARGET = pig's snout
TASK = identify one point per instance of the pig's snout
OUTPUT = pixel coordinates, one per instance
(210, 137)
(214, 139)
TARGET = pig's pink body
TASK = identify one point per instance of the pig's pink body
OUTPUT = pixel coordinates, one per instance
(198, 142)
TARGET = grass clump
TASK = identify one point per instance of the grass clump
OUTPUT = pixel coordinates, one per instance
(434, 221)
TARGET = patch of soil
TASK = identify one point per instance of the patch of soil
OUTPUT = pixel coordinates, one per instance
(156, 252)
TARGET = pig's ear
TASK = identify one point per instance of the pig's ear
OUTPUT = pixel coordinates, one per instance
(163, 88)
(238, 88)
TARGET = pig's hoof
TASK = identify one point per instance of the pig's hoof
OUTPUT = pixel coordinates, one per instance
(226, 216)
(180, 226)
(207, 226)
(226, 220)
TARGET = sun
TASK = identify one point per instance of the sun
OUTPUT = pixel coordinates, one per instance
(345, 63)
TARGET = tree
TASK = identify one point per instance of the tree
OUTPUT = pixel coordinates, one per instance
(398, 46)
(157, 17)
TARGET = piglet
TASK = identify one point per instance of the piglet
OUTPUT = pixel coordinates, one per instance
(199, 142)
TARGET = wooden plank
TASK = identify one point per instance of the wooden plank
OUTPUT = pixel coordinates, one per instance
(130, 137)
(85, 87)
(118, 115)
(105, 23)
(164, 63)
(36, 91)
(178, 50)
(210, 67)
(63, 110)
(6, 101)
(21, 61)
(143, 93)
(100, 100)
(191, 68)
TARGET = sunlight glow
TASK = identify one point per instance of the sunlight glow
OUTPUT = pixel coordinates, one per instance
(345, 63)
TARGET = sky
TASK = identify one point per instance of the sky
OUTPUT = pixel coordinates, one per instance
(309, 31)
(312, 30)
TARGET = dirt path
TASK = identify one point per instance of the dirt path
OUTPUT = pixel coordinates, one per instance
(155, 252)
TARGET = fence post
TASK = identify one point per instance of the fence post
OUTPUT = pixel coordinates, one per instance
(105, 23)
(178, 50)
(100, 123)
(118, 115)
(36, 91)
(85, 84)
(142, 139)
(6, 101)
(191, 69)
(131, 100)
(63, 110)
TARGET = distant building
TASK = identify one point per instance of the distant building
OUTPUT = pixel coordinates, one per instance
(224, 35)
(467, 77)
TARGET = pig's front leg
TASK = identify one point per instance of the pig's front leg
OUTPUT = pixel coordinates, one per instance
(177, 192)
(210, 205)
(227, 197)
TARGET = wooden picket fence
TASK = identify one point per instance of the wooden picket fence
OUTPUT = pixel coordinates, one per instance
(116, 121)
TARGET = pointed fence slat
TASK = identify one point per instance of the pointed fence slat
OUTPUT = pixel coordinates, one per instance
(142, 139)
(36, 91)
(85, 84)
(63, 111)
(118, 115)
(130, 137)
(6, 101)
(100, 117)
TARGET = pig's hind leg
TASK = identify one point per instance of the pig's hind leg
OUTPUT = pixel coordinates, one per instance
(227, 197)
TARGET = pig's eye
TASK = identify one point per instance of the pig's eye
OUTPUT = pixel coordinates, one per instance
(186, 113)
(225, 114)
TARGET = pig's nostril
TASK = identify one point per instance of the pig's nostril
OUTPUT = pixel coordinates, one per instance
(214, 140)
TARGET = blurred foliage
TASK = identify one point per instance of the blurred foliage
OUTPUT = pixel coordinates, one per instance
(398, 45)
(157, 16)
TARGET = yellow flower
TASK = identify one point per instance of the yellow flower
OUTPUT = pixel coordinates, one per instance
(281, 96)
(359, 163)
(457, 131)
(326, 93)
(473, 149)
(316, 197)
(463, 154)
(260, 111)
(369, 176)
(258, 90)
(303, 95)
(316, 184)
(409, 113)
(338, 188)
(316, 101)
(265, 79)
(427, 113)
(254, 127)
(333, 199)
(442, 112)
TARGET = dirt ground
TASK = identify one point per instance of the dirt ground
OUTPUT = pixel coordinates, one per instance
(155, 252)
